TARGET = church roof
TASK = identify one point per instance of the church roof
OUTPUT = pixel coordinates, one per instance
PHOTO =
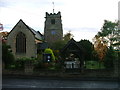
(37, 34)
(73, 42)
(42, 46)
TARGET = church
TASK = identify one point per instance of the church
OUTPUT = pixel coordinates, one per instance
(25, 41)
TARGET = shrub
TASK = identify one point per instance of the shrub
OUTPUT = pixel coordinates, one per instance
(7, 55)
(110, 56)
(20, 62)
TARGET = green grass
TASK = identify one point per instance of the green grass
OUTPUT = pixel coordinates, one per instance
(94, 65)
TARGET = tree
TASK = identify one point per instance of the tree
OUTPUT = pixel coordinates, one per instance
(110, 56)
(89, 48)
(7, 56)
(110, 33)
(68, 36)
(100, 47)
(60, 44)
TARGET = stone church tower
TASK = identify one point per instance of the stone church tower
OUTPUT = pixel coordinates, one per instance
(53, 28)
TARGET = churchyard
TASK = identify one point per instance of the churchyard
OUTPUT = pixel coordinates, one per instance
(100, 58)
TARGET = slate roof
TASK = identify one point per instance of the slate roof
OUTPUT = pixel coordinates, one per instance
(42, 46)
(37, 34)
(80, 47)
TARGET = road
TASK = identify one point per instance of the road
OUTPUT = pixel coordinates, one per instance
(43, 82)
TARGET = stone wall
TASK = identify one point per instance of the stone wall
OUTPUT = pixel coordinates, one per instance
(29, 66)
(61, 73)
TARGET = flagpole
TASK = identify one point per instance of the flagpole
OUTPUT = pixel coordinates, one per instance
(1, 27)
(53, 7)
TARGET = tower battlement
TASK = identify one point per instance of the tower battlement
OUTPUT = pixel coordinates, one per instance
(53, 14)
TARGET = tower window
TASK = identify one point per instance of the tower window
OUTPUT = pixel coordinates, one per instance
(20, 43)
(52, 21)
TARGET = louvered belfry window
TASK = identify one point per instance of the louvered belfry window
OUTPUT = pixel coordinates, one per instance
(20, 43)
(52, 21)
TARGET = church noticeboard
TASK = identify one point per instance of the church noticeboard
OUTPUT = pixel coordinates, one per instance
(47, 58)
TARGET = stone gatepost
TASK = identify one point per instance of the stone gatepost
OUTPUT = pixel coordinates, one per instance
(29, 66)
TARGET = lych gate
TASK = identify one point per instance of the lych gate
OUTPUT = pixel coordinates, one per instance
(72, 61)
(73, 55)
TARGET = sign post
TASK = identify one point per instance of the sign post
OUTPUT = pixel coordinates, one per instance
(1, 27)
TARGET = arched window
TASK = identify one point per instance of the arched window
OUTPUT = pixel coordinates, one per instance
(20, 43)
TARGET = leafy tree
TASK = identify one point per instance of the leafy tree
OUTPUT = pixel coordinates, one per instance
(7, 56)
(60, 44)
(100, 48)
(110, 56)
(110, 33)
(95, 56)
(68, 36)
(88, 46)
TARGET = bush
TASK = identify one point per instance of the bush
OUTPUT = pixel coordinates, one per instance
(7, 56)
(25, 59)
(39, 65)
(110, 56)
(20, 62)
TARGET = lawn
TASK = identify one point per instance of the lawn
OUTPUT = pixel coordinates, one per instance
(94, 65)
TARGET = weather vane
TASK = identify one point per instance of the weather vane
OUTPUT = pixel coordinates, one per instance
(53, 7)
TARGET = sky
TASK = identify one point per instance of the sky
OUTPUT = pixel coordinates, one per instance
(84, 18)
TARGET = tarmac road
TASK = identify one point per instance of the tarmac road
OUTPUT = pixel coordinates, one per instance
(48, 82)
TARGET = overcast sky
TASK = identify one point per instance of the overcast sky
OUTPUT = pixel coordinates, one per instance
(84, 18)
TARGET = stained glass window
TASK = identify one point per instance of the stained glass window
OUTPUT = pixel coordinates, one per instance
(20, 43)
